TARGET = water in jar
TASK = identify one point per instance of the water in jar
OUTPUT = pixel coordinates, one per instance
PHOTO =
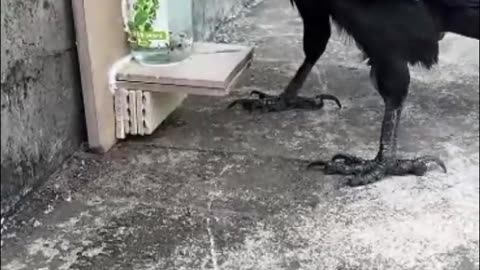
(160, 31)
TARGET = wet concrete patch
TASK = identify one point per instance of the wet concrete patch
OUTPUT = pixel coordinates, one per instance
(117, 235)
(112, 223)
(196, 179)
(149, 237)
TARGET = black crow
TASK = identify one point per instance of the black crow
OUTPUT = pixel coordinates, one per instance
(393, 34)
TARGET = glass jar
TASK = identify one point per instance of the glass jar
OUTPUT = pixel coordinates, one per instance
(159, 31)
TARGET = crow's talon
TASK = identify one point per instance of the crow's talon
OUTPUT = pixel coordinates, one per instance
(322, 98)
(269, 103)
(318, 163)
(417, 166)
(259, 94)
(435, 160)
(365, 172)
(348, 159)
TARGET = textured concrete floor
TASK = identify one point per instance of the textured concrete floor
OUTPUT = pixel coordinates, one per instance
(217, 189)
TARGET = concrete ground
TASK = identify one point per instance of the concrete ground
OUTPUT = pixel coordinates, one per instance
(217, 189)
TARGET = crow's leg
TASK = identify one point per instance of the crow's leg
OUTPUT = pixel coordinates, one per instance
(392, 79)
(317, 32)
(289, 99)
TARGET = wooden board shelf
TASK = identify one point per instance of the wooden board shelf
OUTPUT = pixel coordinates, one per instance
(213, 69)
(144, 96)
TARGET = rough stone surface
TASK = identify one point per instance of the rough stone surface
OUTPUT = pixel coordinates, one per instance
(218, 189)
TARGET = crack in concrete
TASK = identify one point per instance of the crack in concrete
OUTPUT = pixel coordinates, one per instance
(211, 237)
(213, 252)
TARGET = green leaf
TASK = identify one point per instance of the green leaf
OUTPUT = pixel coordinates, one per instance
(140, 19)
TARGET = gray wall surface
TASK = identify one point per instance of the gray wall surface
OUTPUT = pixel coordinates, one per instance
(41, 103)
(210, 14)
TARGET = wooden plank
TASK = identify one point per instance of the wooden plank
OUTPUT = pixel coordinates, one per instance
(202, 91)
(121, 113)
(100, 42)
(141, 111)
(212, 66)
(132, 111)
(158, 106)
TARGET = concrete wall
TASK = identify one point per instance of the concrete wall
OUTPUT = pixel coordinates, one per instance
(210, 14)
(41, 103)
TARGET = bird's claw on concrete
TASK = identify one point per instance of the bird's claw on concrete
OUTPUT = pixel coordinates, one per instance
(366, 172)
(270, 103)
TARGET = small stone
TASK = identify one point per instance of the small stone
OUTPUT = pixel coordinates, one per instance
(49, 209)
(37, 224)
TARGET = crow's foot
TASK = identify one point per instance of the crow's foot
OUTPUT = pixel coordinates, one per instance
(366, 172)
(270, 103)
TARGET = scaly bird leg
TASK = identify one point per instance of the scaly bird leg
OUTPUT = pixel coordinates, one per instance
(392, 83)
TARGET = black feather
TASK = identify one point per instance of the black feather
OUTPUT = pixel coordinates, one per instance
(461, 3)
(392, 34)
(406, 29)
